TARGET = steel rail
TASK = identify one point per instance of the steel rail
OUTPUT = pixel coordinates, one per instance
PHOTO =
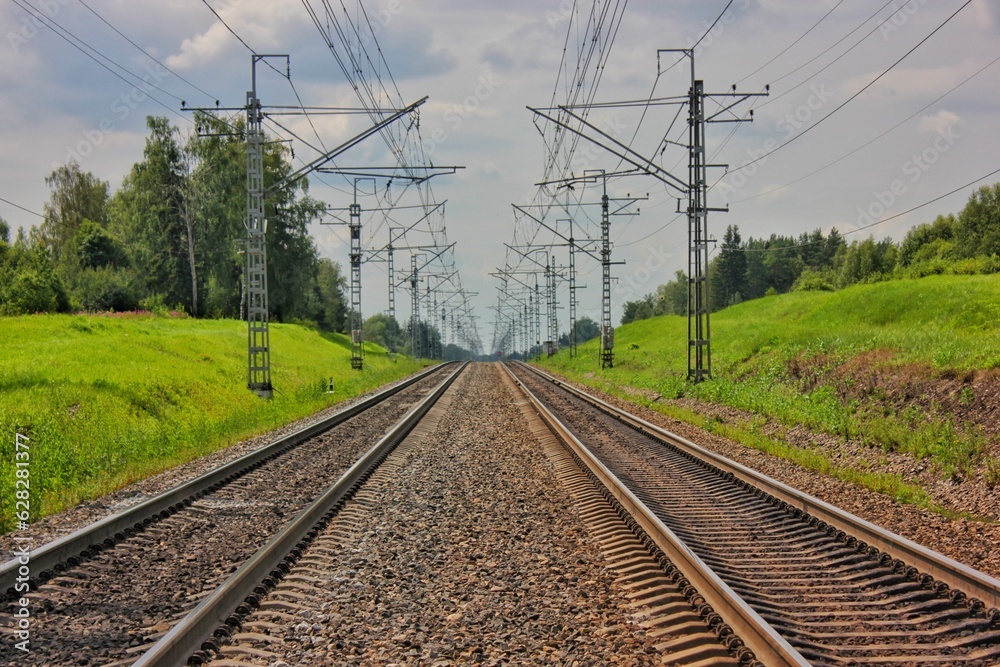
(768, 646)
(187, 637)
(971, 582)
(104, 533)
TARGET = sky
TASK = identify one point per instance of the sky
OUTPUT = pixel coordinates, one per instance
(853, 130)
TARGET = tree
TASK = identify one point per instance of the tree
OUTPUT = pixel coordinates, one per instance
(148, 211)
(831, 247)
(672, 297)
(867, 259)
(330, 284)
(644, 310)
(756, 279)
(782, 264)
(217, 198)
(586, 329)
(728, 285)
(928, 241)
(95, 247)
(75, 196)
(384, 330)
(292, 259)
(978, 229)
(28, 282)
(429, 339)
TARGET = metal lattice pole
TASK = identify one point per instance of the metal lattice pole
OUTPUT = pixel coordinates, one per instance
(526, 336)
(699, 334)
(538, 322)
(357, 323)
(392, 280)
(432, 317)
(414, 310)
(607, 330)
(258, 329)
(555, 310)
(572, 293)
(549, 306)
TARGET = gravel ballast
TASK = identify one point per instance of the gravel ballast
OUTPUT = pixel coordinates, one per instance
(967, 541)
(63, 523)
(472, 553)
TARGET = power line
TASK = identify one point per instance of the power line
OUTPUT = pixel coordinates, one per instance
(855, 95)
(308, 117)
(883, 220)
(294, 90)
(144, 51)
(651, 234)
(231, 31)
(69, 38)
(926, 203)
(26, 210)
(789, 47)
(831, 47)
(870, 141)
(364, 73)
(714, 23)
(652, 91)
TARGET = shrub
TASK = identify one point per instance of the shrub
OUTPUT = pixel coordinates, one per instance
(31, 291)
(812, 281)
(105, 289)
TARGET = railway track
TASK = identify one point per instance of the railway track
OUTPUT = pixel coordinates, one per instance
(106, 593)
(280, 607)
(799, 581)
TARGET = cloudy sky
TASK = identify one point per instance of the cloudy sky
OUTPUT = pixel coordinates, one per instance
(930, 120)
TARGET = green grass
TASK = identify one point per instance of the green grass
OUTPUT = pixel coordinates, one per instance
(106, 401)
(936, 325)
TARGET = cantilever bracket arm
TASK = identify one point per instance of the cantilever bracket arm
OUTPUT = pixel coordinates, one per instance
(389, 245)
(625, 153)
(512, 276)
(425, 264)
(557, 233)
(303, 171)
(391, 174)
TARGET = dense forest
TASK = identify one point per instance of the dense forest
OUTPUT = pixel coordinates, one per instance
(170, 239)
(964, 244)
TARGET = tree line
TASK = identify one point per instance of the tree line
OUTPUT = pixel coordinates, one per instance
(171, 239)
(171, 236)
(966, 243)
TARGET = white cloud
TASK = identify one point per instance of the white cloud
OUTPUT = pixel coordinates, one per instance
(938, 122)
(204, 47)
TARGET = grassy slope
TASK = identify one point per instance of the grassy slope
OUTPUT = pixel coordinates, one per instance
(110, 400)
(942, 322)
